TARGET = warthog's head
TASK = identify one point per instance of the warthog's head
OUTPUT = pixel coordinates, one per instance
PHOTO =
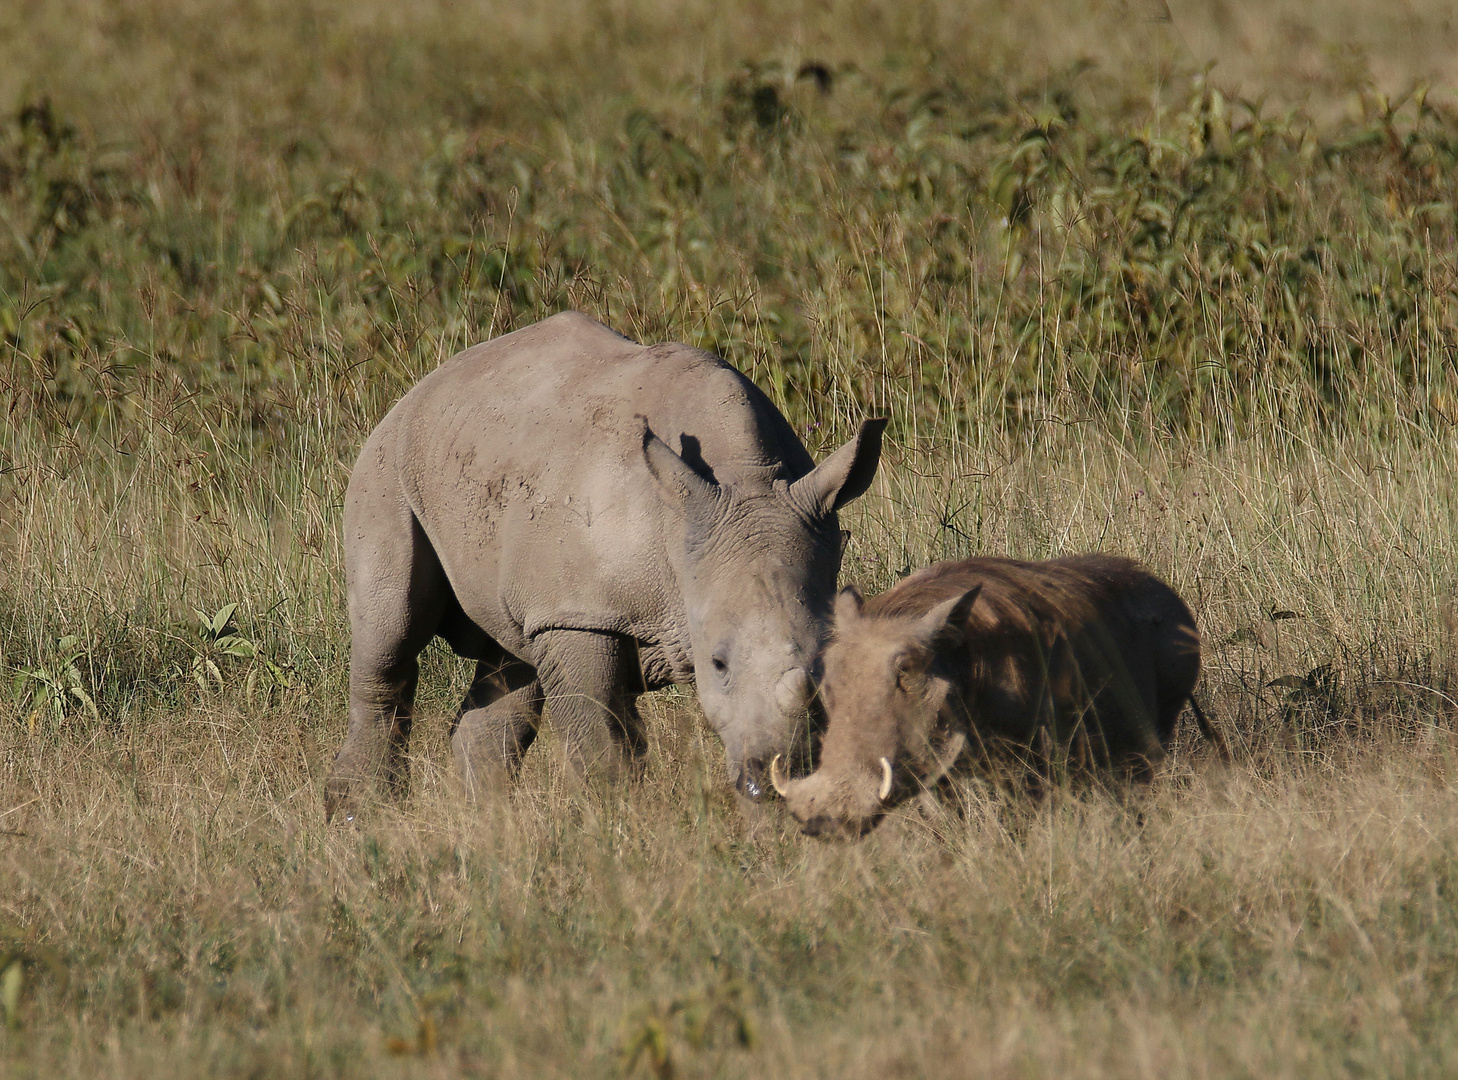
(759, 574)
(885, 690)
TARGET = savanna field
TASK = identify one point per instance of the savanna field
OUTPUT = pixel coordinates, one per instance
(1179, 282)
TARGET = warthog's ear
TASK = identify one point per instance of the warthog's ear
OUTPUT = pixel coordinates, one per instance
(844, 475)
(948, 619)
(675, 477)
(848, 605)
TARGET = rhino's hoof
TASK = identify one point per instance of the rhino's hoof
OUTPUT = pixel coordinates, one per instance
(338, 802)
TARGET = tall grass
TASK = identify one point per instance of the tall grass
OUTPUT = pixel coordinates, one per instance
(1110, 297)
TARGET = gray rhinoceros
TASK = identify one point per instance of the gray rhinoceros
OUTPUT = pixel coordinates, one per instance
(517, 503)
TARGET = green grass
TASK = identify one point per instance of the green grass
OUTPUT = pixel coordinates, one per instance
(1110, 298)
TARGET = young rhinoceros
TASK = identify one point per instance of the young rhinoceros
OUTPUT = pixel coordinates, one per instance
(518, 504)
(989, 653)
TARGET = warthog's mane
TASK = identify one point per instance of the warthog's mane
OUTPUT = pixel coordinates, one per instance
(1055, 596)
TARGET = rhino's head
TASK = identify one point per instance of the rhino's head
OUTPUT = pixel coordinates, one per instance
(885, 693)
(759, 574)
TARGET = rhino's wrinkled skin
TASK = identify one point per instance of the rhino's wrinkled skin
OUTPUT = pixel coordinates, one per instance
(518, 503)
(990, 654)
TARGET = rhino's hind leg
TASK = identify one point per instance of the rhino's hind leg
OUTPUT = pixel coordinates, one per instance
(592, 682)
(397, 596)
(497, 723)
(381, 708)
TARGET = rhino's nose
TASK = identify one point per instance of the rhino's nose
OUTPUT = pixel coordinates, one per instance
(794, 690)
(751, 779)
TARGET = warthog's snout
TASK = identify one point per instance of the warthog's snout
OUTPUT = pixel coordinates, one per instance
(825, 827)
(848, 806)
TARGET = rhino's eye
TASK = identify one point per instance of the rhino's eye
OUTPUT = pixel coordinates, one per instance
(720, 664)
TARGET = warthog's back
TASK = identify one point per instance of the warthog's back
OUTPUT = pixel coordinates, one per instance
(1110, 643)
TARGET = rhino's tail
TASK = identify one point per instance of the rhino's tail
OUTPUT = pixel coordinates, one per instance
(1207, 729)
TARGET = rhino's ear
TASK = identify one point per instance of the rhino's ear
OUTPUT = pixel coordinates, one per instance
(844, 475)
(949, 618)
(848, 605)
(675, 477)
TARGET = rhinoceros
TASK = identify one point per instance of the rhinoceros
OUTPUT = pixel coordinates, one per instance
(994, 653)
(524, 503)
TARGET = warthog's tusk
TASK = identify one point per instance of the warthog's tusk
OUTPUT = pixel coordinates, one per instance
(885, 788)
(776, 776)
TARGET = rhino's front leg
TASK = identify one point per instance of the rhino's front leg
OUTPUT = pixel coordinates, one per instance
(497, 723)
(592, 681)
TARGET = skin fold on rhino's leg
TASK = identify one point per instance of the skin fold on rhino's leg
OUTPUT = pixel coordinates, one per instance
(592, 681)
(497, 723)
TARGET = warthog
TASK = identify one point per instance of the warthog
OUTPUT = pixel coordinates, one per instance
(1090, 654)
(518, 503)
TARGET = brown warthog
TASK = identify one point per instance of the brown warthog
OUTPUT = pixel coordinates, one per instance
(1090, 654)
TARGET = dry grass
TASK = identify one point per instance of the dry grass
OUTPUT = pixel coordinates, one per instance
(1106, 306)
(1288, 919)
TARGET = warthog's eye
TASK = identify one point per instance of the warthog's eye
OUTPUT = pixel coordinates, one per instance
(903, 666)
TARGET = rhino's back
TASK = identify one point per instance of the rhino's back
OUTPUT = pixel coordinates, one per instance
(522, 460)
(569, 375)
